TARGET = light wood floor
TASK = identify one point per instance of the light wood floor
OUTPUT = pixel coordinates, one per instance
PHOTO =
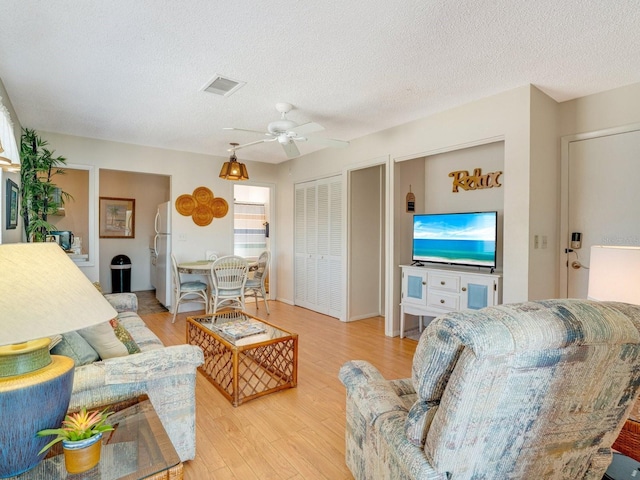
(296, 433)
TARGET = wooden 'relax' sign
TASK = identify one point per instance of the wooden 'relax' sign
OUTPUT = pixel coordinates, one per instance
(462, 179)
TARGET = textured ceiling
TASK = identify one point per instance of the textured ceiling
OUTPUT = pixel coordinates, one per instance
(133, 71)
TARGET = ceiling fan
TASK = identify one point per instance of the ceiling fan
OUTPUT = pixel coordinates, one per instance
(286, 132)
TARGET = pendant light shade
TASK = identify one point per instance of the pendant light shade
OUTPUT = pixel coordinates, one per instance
(234, 170)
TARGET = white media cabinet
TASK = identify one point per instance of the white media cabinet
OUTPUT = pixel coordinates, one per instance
(432, 291)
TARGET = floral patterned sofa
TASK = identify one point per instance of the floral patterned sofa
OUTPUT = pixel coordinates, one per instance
(166, 374)
(531, 390)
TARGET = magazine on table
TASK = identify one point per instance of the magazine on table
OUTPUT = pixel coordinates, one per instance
(239, 329)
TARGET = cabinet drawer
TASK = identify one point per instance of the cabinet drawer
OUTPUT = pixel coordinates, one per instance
(443, 301)
(443, 282)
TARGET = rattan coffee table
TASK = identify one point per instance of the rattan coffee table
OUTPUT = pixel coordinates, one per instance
(244, 368)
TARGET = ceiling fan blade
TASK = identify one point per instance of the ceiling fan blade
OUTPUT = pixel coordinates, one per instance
(243, 130)
(329, 142)
(290, 149)
(306, 128)
(248, 144)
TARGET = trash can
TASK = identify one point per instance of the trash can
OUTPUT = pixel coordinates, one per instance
(120, 274)
(622, 468)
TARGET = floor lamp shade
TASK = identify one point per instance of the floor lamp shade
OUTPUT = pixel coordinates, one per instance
(614, 274)
(42, 293)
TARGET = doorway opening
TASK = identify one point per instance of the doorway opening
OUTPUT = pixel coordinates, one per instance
(252, 217)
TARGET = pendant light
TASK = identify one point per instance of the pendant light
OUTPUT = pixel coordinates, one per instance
(234, 170)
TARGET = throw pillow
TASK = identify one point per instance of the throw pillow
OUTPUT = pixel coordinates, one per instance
(124, 336)
(55, 339)
(74, 346)
(103, 339)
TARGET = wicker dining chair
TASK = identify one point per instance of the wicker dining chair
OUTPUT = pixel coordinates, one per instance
(228, 275)
(256, 286)
(190, 291)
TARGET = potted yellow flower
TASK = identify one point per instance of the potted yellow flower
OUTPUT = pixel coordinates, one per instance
(81, 435)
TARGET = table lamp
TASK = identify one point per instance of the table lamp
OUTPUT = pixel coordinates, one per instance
(42, 293)
(614, 274)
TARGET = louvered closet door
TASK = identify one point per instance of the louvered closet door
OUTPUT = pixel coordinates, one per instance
(318, 246)
(300, 251)
(305, 245)
(336, 240)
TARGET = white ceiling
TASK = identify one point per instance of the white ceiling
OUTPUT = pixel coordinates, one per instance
(133, 70)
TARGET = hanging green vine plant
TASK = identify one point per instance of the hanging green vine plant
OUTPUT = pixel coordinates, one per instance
(39, 195)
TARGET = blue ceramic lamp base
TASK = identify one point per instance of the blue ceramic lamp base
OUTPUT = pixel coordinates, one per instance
(30, 402)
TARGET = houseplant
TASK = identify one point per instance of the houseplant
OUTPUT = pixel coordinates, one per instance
(39, 195)
(81, 435)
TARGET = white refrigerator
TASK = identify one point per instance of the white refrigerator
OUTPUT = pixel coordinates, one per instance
(162, 248)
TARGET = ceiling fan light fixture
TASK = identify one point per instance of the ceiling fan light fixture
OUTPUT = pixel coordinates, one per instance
(234, 170)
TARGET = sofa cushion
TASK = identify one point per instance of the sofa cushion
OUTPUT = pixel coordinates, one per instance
(143, 336)
(110, 339)
(72, 345)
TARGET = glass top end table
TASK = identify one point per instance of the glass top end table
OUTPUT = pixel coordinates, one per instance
(137, 448)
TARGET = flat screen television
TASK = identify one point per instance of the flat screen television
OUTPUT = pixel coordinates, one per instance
(456, 238)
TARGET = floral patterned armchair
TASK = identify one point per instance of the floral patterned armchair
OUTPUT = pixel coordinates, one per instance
(531, 390)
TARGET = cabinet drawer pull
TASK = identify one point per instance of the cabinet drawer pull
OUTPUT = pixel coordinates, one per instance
(441, 300)
(442, 282)
(424, 283)
(464, 289)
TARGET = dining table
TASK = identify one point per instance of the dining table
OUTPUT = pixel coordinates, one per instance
(198, 267)
(203, 267)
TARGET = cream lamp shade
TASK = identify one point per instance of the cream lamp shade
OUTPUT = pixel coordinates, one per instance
(8, 148)
(614, 274)
(44, 293)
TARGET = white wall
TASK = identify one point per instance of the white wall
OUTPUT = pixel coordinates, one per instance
(366, 239)
(544, 197)
(411, 172)
(612, 108)
(439, 194)
(187, 170)
(13, 235)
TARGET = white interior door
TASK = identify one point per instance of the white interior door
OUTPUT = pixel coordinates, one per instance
(603, 200)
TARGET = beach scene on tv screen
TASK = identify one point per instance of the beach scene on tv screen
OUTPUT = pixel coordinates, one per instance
(466, 239)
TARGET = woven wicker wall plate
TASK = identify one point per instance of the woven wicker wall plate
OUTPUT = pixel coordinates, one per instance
(203, 195)
(202, 215)
(185, 204)
(202, 206)
(220, 207)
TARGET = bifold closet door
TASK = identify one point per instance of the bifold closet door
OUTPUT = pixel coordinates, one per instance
(318, 246)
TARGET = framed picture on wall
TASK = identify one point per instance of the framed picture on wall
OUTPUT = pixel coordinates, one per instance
(117, 217)
(12, 204)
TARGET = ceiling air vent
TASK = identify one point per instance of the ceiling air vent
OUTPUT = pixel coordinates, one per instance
(223, 86)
